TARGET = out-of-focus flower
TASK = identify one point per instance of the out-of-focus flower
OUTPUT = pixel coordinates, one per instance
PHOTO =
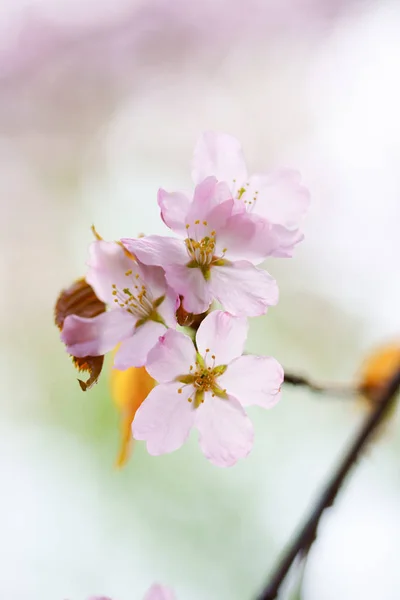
(129, 389)
(79, 299)
(142, 307)
(156, 592)
(214, 261)
(277, 197)
(159, 592)
(206, 389)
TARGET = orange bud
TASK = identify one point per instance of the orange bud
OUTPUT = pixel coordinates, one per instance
(128, 390)
(377, 370)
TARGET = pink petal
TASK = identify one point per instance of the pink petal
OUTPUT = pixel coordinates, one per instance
(242, 289)
(174, 208)
(190, 283)
(253, 380)
(157, 250)
(213, 219)
(154, 278)
(285, 241)
(220, 155)
(226, 432)
(172, 356)
(242, 238)
(165, 418)
(108, 264)
(204, 200)
(281, 199)
(169, 306)
(159, 592)
(97, 336)
(224, 336)
(133, 351)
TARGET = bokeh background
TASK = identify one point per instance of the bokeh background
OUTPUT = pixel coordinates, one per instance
(100, 104)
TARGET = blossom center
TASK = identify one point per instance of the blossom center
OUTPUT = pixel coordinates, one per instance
(203, 379)
(136, 298)
(201, 248)
(248, 196)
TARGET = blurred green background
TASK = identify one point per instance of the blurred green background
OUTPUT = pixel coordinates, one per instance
(101, 104)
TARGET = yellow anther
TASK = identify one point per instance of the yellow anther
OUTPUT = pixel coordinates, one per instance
(180, 391)
(197, 222)
(205, 223)
(96, 235)
(187, 225)
(128, 272)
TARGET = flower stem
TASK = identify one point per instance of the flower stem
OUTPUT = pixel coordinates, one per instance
(304, 539)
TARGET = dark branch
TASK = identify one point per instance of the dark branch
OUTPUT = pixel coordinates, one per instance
(307, 534)
(334, 389)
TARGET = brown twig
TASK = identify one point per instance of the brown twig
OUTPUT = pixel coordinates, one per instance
(307, 534)
(328, 388)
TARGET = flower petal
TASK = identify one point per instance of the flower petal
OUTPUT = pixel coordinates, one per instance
(165, 418)
(280, 198)
(285, 241)
(235, 238)
(253, 380)
(97, 336)
(173, 355)
(242, 289)
(157, 250)
(168, 307)
(190, 283)
(226, 432)
(107, 264)
(221, 155)
(159, 592)
(154, 278)
(133, 351)
(174, 208)
(224, 336)
(205, 199)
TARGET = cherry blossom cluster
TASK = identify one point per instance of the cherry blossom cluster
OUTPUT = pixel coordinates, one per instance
(208, 269)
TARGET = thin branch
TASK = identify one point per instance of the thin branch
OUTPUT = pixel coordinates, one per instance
(319, 388)
(308, 532)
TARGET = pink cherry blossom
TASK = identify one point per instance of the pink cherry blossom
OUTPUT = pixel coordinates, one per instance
(277, 197)
(141, 306)
(206, 389)
(215, 258)
(159, 592)
(156, 592)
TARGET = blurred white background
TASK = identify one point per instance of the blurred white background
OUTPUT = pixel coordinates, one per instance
(100, 104)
